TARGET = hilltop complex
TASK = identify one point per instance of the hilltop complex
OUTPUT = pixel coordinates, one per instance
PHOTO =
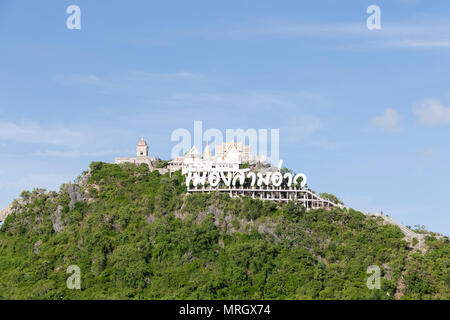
(222, 172)
(227, 158)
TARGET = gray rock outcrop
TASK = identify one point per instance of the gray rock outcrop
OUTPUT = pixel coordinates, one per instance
(4, 213)
(85, 177)
(75, 194)
(58, 225)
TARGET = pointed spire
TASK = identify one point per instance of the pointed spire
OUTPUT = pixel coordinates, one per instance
(207, 153)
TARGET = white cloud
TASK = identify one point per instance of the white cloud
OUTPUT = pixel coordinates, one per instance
(305, 129)
(30, 181)
(129, 80)
(389, 121)
(408, 1)
(270, 27)
(430, 152)
(80, 153)
(32, 133)
(182, 75)
(86, 79)
(325, 144)
(299, 128)
(432, 113)
(412, 34)
(422, 44)
(283, 102)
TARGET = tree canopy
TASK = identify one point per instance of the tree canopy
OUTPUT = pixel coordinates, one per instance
(137, 235)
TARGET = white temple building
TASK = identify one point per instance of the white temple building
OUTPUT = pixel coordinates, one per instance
(227, 158)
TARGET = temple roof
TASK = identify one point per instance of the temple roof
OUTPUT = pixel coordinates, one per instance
(193, 151)
(142, 143)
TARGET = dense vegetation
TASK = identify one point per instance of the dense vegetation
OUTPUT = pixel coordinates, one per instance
(330, 197)
(137, 235)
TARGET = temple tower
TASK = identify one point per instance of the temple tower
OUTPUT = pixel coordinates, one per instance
(142, 148)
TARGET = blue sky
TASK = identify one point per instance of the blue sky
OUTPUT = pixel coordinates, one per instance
(364, 113)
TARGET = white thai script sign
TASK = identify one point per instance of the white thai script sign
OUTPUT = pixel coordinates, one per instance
(213, 178)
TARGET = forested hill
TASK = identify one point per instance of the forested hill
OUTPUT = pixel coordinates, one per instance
(136, 235)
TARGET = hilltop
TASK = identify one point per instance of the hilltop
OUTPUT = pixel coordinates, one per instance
(136, 234)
